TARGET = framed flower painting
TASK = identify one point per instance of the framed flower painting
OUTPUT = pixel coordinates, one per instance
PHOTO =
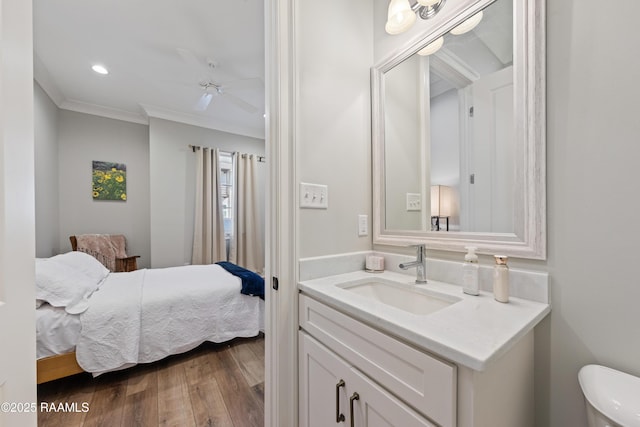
(109, 181)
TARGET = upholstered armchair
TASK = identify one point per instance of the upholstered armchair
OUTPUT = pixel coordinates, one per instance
(109, 249)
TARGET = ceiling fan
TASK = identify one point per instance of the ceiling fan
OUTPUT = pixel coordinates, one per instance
(211, 87)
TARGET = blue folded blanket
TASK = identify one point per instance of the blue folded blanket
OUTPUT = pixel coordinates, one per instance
(252, 283)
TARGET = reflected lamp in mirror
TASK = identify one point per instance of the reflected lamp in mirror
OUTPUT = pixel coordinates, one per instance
(432, 47)
(467, 25)
(441, 200)
(402, 15)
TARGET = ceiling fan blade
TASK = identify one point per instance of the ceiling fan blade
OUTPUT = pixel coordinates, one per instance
(252, 82)
(240, 103)
(197, 66)
(204, 101)
(190, 58)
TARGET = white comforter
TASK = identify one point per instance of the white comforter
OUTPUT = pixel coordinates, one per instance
(146, 315)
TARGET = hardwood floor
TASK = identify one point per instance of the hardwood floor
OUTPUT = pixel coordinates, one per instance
(213, 385)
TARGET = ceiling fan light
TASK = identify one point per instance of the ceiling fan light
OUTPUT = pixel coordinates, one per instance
(100, 69)
(432, 47)
(428, 2)
(467, 25)
(400, 17)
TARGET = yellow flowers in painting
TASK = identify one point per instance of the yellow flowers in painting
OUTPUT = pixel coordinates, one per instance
(109, 181)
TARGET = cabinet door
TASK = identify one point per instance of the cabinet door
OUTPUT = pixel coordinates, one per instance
(322, 399)
(323, 376)
(377, 407)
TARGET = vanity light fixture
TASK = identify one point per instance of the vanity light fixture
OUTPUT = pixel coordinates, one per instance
(467, 25)
(402, 15)
(100, 69)
(432, 47)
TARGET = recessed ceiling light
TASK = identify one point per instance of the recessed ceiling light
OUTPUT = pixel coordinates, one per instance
(100, 69)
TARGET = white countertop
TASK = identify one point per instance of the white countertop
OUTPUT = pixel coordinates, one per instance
(472, 332)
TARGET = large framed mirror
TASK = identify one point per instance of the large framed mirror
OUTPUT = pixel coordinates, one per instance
(459, 135)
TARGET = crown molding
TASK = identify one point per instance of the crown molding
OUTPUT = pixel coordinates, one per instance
(200, 121)
(99, 110)
(43, 78)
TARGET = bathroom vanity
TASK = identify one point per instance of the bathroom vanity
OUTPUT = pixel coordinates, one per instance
(367, 358)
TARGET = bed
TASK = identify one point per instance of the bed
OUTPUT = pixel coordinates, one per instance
(90, 319)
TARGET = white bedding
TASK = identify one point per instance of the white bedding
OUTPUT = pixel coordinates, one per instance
(57, 331)
(146, 315)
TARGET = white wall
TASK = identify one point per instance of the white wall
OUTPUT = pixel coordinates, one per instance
(445, 139)
(592, 162)
(172, 189)
(333, 135)
(82, 139)
(46, 174)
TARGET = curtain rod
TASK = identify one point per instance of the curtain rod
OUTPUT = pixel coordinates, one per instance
(261, 159)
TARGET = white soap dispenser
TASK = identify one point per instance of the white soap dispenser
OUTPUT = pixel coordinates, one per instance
(470, 272)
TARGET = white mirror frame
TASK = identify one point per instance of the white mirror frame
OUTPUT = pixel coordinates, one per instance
(529, 238)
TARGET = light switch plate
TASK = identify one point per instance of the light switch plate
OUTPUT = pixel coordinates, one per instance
(414, 202)
(363, 225)
(314, 196)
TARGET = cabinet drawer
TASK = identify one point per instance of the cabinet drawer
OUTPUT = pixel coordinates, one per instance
(423, 381)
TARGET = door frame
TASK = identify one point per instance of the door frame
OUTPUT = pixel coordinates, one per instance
(281, 347)
(17, 216)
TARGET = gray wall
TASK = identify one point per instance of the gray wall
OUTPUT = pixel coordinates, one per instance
(172, 184)
(46, 174)
(334, 121)
(82, 139)
(593, 153)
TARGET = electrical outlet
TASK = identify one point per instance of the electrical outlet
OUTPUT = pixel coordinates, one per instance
(414, 202)
(314, 196)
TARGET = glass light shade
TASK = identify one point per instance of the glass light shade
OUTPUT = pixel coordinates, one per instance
(440, 200)
(432, 47)
(400, 17)
(428, 2)
(468, 25)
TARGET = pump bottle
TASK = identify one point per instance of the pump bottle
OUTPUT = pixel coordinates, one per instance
(501, 279)
(470, 272)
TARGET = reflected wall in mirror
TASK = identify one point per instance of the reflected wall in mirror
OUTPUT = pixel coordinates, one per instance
(458, 138)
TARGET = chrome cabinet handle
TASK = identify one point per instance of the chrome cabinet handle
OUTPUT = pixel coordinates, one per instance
(339, 416)
(354, 396)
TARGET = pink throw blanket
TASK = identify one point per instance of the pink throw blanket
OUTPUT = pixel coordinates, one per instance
(104, 247)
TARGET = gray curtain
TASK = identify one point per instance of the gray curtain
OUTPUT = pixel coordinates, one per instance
(208, 232)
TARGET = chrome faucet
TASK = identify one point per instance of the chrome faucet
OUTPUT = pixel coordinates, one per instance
(420, 264)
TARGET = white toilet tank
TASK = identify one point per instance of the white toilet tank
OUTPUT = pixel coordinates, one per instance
(612, 397)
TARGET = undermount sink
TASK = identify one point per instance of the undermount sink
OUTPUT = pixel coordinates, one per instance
(408, 298)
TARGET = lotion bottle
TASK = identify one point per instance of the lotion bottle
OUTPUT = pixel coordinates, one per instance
(470, 272)
(501, 279)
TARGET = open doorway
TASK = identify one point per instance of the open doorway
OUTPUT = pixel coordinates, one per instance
(185, 52)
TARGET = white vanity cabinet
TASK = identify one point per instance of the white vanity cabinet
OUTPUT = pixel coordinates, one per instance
(334, 392)
(398, 384)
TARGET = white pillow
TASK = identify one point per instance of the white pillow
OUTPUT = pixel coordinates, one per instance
(62, 286)
(83, 263)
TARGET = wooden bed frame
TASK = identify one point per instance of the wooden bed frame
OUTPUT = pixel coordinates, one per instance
(55, 367)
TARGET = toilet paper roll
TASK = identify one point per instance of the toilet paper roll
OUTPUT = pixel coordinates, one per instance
(374, 264)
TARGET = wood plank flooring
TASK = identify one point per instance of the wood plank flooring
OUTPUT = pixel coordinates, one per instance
(212, 385)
